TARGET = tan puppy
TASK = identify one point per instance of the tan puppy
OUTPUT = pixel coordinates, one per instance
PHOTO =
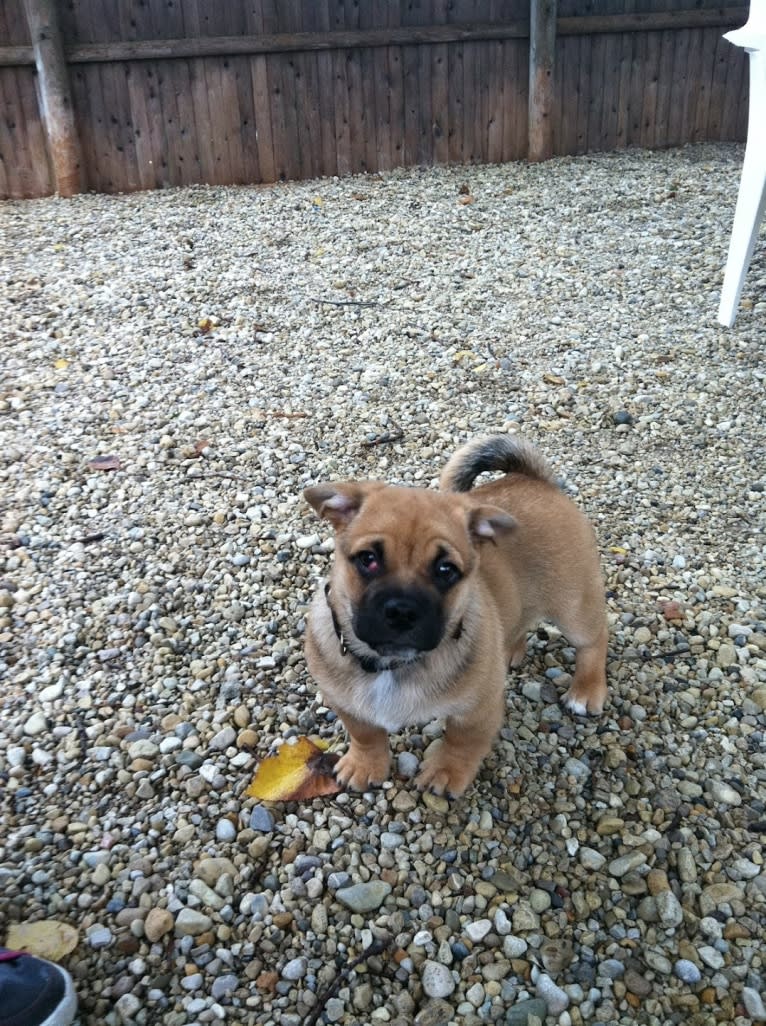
(431, 596)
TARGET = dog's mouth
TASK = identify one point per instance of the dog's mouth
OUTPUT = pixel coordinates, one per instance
(396, 653)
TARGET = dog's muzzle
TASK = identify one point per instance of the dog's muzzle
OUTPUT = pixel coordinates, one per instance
(391, 620)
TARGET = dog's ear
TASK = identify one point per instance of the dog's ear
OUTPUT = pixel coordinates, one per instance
(486, 523)
(339, 502)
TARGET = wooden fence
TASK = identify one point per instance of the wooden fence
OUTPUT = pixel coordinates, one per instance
(144, 94)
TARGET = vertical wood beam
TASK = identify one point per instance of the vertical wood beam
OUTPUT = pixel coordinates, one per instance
(55, 97)
(542, 47)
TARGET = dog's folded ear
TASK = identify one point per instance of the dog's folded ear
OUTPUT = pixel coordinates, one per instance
(340, 501)
(486, 523)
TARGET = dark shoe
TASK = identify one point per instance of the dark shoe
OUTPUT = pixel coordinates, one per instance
(34, 992)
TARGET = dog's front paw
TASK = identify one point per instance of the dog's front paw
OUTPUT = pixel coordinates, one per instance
(445, 773)
(585, 700)
(360, 770)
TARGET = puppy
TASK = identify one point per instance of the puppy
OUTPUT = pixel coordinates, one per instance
(431, 596)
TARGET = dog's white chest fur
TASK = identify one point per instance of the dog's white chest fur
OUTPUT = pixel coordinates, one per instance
(384, 702)
(394, 703)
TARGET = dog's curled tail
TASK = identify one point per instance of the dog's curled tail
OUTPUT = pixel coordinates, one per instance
(507, 453)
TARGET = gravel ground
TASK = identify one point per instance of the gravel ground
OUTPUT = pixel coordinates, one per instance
(221, 348)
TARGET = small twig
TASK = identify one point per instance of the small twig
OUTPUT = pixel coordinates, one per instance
(287, 415)
(646, 657)
(376, 948)
(344, 302)
(89, 539)
(221, 473)
(385, 438)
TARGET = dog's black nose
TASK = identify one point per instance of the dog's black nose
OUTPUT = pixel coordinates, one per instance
(400, 612)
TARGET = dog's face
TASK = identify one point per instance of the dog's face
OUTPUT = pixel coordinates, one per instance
(404, 561)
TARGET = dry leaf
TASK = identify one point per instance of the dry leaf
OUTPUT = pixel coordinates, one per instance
(553, 379)
(48, 938)
(465, 200)
(297, 772)
(205, 325)
(105, 463)
(618, 550)
(61, 364)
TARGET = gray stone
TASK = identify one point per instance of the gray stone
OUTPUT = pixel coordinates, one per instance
(334, 1009)
(554, 997)
(722, 792)
(754, 1005)
(407, 765)
(224, 739)
(295, 969)
(592, 859)
(514, 947)
(436, 1013)
(225, 830)
(191, 923)
(36, 724)
(143, 749)
(436, 979)
(687, 971)
(711, 956)
(99, 937)
(365, 897)
(539, 900)
(669, 909)
(261, 820)
(478, 930)
(626, 863)
(127, 1007)
(223, 986)
(523, 1012)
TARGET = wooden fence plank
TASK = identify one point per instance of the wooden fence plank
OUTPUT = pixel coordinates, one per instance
(357, 118)
(300, 88)
(425, 145)
(380, 11)
(55, 97)
(216, 46)
(650, 89)
(542, 47)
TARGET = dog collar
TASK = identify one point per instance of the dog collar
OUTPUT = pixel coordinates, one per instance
(368, 663)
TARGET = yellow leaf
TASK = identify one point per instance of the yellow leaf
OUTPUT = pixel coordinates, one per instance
(462, 354)
(205, 324)
(618, 550)
(298, 771)
(59, 247)
(317, 201)
(61, 364)
(48, 938)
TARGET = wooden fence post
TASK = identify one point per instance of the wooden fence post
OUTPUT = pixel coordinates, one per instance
(542, 46)
(55, 96)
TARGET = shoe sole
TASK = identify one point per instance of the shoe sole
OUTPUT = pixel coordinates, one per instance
(67, 1007)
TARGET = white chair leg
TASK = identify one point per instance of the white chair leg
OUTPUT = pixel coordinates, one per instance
(751, 200)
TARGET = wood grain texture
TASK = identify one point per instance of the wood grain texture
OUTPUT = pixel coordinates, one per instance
(199, 91)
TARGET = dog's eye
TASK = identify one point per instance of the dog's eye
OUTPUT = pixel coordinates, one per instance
(446, 573)
(368, 562)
